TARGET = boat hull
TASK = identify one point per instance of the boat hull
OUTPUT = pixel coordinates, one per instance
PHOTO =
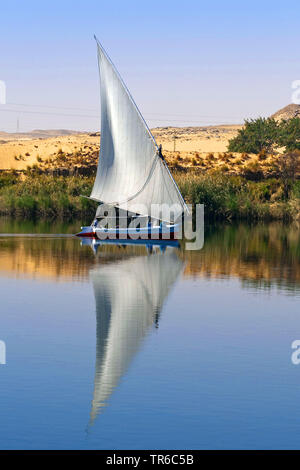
(164, 232)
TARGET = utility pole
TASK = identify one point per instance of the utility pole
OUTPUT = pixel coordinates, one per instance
(18, 126)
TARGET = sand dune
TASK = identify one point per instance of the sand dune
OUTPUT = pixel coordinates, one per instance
(196, 139)
(26, 151)
(17, 151)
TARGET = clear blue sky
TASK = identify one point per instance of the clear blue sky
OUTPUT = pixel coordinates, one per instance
(185, 62)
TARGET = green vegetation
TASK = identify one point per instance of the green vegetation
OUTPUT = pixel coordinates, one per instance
(224, 196)
(235, 197)
(45, 196)
(257, 135)
(266, 135)
(289, 134)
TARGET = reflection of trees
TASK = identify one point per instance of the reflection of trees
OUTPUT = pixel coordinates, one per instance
(262, 253)
(58, 258)
(42, 257)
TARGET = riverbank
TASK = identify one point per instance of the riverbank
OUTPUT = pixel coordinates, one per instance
(228, 197)
(225, 197)
(45, 196)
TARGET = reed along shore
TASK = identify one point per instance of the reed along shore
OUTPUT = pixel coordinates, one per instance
(225, 197)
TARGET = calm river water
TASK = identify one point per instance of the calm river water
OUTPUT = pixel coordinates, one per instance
(113, 347)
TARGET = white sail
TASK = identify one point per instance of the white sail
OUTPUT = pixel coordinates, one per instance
(129, 296)
(130, 172)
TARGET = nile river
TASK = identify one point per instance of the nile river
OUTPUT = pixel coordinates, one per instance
(114, 347)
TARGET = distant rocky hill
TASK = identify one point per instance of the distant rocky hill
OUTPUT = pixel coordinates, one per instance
(288, 112)
(38, 134)
(54, 132)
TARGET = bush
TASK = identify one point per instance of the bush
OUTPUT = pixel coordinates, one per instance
(289, 134)
(262, 155)
(234, 197)
(253, 172)
(262, 136)
(46, 196)
(8, 179)
(257, 135)
(288, 166)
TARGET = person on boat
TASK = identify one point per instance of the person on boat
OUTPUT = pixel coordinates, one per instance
(160, 152)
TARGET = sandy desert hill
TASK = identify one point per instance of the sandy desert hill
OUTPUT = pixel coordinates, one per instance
(61, 148)
(202, 147)
(27, 150)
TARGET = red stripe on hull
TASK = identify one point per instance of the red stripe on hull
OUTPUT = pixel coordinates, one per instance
(86, 235)
(171, 236)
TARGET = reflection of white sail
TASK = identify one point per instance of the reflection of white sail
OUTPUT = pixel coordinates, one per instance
(129, 296)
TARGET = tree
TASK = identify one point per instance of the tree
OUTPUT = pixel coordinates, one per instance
(257, 135)
(289, 134)
(288, 167)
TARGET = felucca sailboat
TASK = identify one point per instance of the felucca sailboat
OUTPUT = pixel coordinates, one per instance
(133, 181)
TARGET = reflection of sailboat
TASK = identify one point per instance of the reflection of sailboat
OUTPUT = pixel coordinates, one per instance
(129, 296)
(162, 245)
